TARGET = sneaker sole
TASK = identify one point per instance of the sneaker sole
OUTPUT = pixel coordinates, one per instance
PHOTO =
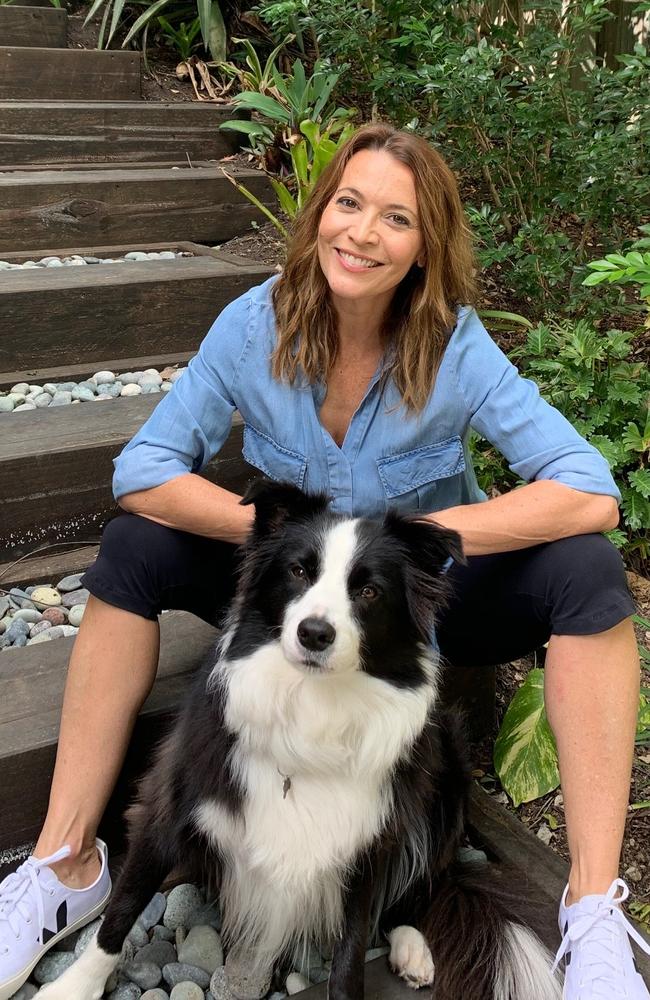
(12, 986)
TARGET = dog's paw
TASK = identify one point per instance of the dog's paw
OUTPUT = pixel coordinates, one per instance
(410, 957)
(70, 985)
(85, 980)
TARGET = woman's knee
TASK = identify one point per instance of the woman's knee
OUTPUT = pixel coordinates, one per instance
(588, 588)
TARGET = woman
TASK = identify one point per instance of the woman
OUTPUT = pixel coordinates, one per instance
(358, 373)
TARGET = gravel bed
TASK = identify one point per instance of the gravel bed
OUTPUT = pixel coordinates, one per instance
(77, 260)
(41, 613)
(101, 386)
(174, 952)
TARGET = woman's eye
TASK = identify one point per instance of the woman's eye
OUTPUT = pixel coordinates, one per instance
(346, 202)
(401, 220)
(368, 593)
(298, 572)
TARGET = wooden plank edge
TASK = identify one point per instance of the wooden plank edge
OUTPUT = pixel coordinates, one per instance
(36, 569)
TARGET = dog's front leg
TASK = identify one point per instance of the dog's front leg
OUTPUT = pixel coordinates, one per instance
(346, 981)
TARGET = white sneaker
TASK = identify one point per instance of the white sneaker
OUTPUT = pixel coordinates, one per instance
(36, 911)
(596, 948)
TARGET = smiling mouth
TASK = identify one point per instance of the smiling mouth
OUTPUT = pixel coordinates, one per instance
(352, 260)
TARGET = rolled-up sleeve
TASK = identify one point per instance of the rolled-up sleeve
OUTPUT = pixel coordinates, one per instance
(191, 423)
(537, 441)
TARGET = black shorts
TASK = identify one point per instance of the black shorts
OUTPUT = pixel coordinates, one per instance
(503, 606)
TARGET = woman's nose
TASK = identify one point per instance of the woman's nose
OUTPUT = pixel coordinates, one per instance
(364, 228)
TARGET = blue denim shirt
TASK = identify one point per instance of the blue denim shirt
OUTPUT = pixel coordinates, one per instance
(389, 458)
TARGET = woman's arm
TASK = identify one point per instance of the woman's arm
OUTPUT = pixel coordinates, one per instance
(191, 503)
(542, 511)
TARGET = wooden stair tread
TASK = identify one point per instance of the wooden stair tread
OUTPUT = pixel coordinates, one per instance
(44, 207)
(166, 306)
(44, 27)
(36, 73)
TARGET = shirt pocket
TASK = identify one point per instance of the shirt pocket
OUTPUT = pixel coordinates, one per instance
(410, 479)
(274, 460)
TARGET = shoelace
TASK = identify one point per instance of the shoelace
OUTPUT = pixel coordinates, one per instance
(12, 903)
(604, 926)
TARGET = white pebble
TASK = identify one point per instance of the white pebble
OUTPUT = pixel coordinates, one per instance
(296, 983)
(103, 378)
(22, 388)
(131, 390)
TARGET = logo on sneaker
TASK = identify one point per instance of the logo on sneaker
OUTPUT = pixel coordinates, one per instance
(61, 923)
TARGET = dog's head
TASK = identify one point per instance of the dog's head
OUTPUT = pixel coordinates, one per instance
(342, 594)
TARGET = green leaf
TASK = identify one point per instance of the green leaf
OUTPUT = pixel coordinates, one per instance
(636, 510)
(525, 755)
(595, 278)
(118, 6)
(640, 480)
(632, 438)
(287, 201)
(144, 18)
(508, 317)
(264, 104)
(217, 35)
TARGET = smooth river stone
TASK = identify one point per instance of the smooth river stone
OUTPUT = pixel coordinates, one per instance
(24, 406)
(20, 388)
(178, 972)
(28, 615)
(39, 627)
(102, 378)
(83, 393)
(202, 947)
(72, 582)
(46, 595)
(42, 401)
(61, 398)
(6, 404)
(76, 615)
(132, 389)
(55, 616)
(75, 597)
(52, 966)
(187, 991)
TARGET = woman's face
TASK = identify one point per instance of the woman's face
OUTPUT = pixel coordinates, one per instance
(369, 235)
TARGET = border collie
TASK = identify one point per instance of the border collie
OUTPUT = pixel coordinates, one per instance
(314, 778)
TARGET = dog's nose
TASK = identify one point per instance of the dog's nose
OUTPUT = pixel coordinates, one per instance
(316, 634)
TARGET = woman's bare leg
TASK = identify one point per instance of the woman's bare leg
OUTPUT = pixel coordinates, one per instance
(112, 670)
(592, 698)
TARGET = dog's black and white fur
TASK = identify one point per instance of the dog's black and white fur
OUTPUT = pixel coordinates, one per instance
(315, 777)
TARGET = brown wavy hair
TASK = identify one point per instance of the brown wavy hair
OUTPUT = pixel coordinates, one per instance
(422, 313)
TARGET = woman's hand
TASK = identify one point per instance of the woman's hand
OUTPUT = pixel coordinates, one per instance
(542, 511)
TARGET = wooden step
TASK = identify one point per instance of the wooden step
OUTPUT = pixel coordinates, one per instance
(50, 132)
(165, 306)
(110, 206)
(36, 74)
(56, 470)
(42, 27)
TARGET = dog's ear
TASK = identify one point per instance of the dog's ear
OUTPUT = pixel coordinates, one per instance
(430, 546)
(276, 503)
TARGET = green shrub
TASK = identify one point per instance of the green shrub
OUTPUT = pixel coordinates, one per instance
(553, 156)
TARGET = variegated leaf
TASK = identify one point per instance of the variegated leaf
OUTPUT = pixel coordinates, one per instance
(525, 755)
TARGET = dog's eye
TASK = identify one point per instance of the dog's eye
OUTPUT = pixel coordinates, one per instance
(368, 593)
(298, 572)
